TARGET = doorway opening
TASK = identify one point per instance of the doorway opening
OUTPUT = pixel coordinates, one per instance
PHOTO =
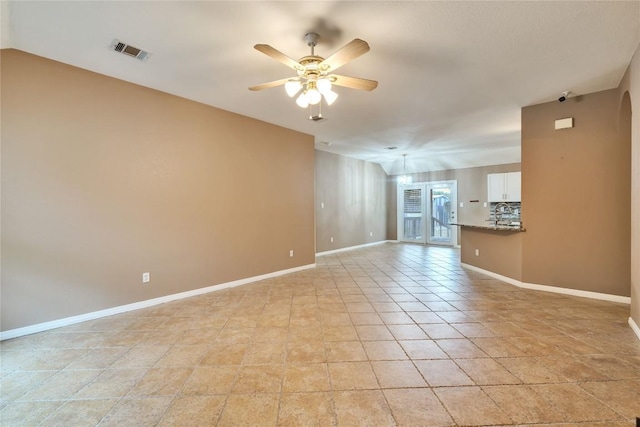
(426, 211)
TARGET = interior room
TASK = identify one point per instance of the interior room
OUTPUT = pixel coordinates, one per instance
(319, 213)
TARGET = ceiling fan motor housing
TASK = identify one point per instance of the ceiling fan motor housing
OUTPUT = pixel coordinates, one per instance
(312, 39)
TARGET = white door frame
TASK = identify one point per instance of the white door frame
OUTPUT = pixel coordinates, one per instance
(453, 214)
(426, 188)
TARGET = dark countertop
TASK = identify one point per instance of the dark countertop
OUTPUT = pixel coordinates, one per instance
(513, 228)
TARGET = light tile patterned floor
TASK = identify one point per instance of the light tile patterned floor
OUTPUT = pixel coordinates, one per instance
(394, 334)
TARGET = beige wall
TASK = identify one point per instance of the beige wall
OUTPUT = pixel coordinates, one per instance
(630, 86)
(576, 190)
(353, 193)
(472, 185)
(103, 180)
(392, 207)
(499, 251)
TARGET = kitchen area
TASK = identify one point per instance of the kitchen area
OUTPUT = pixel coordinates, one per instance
(431, 208)
(495, 245)
(566, 173)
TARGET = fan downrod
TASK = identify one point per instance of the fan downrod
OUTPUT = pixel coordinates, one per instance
(312, 40)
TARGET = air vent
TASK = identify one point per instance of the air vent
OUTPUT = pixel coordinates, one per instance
(127, 49)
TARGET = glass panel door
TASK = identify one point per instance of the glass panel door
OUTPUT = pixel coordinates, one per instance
(425, 211)
(442, 212)
(412, 214)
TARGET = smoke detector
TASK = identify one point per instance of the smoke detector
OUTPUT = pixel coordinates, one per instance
(127, 49)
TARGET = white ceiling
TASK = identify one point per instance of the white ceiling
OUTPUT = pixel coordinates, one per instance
(452, 75)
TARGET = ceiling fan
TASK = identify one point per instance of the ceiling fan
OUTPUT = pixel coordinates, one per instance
(315, 73)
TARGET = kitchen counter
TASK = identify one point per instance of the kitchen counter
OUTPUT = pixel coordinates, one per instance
(513, 228)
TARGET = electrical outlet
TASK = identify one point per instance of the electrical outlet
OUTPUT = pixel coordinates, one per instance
(462, 204)
(332, 240)
(484, 204)
(371, 233)
(146, 277)
(477, 252)
(322, 205)
(291, 253)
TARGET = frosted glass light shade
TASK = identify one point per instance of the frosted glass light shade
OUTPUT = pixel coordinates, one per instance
(292, 87)
(323, 85)
(314, 96)
(303, 100)
(330, 96)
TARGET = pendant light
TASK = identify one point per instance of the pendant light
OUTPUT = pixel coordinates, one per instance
(404, 179)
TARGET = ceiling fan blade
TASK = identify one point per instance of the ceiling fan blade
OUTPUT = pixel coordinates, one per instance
(349, 52)
(278, 56)
(353, 82)
(270, 84)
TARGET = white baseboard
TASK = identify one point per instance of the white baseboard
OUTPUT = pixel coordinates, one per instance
(634, 327)
(554, 289)
(40, 327)
(350, 248)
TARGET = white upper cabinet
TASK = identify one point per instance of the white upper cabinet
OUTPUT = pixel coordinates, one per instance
(504, 187)
(513, 184)
(495, 186)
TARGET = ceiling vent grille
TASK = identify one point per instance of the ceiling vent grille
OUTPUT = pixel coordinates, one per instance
(127, 49)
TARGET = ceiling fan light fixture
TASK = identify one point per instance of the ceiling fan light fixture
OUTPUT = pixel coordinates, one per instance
(303, 100)
(323, 85)
(292, 87)
(330, 96)
(314, 96)
(313, 81)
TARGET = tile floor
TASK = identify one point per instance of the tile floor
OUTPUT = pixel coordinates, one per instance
(394, 334)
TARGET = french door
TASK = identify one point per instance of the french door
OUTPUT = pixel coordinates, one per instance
(411, 215)
(425, 211)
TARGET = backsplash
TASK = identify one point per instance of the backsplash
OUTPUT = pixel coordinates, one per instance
(515, 207)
